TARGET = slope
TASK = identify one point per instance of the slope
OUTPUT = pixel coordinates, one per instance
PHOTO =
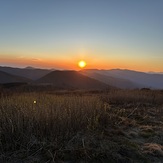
(145, 79)
(112, 81)
(8, 78)
(71, 79)
(31, 73)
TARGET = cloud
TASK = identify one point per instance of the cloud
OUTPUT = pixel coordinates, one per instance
(28, 58)
(36, 59)
(21, 57)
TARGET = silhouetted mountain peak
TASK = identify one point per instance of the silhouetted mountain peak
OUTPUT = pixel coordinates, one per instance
(29, 67)
(8, 78)
(28, 72)
(71, 79)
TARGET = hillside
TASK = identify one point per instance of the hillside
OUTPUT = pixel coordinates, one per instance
(28, 72)
(112, 81)
(71, 79)
(129, 78)
(8, 78)
(148, 80)
(120, 78)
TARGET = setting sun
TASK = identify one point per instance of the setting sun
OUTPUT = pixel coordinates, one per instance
(82, 64)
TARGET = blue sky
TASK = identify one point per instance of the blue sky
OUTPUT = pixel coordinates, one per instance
(105, 33)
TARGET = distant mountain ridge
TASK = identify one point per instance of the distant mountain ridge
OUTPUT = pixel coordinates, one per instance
(8, 78)
(139, 79)
(120, 78)
(112, 81)
(28, 72)
(146, 79)
(29, 67)
(71, 79)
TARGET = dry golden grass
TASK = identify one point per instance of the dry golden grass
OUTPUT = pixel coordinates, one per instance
(78, 126)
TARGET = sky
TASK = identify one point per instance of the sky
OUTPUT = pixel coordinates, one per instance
(107, 34)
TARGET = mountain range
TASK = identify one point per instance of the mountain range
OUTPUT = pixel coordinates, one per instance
(141, 79)
(28, 72)
(111, 80)
(71, 79)
(9, 78)
(83, 79)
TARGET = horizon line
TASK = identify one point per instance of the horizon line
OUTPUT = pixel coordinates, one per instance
(59, 69)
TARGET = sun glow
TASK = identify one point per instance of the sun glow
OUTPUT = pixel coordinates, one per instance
(82, 64)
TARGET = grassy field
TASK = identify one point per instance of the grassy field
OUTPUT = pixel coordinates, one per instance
(77, 126)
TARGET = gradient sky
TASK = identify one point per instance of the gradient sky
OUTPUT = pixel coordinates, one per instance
(107, 34)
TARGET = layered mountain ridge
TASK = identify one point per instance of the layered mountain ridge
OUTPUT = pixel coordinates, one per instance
(83, 79)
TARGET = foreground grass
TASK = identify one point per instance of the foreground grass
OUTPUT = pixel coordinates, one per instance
(116, 126)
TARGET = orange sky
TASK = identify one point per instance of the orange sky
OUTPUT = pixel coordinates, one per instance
(92, 63)
(106, 34)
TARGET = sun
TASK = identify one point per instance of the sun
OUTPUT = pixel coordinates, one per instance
(82, 64)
